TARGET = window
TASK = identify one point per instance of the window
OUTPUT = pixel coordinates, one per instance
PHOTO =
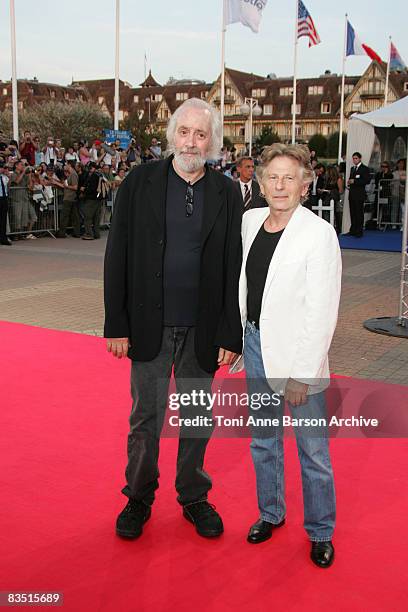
(374, 87)
(298, 109)
(157, 97)
(315, 90)
(20, 105)
(267, 109)
(4, 91)
(180, 96)
(348, 88)
(120, 115)
(405, 86)
(135, 99)
(66, 95)
(163, 113)
(298, 130)
(52, 93)
(356, 107)
(286, 91)
(326, 108)
(101, 100)
(326, 130)
(203, 95)
(258, 93)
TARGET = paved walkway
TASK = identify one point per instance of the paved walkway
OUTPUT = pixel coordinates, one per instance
(58, 284)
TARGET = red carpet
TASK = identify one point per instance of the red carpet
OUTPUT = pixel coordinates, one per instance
(63, 426)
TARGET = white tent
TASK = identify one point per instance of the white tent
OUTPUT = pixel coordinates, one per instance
(361, 135)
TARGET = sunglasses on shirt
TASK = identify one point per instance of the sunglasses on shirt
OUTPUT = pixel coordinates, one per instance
(189, 201)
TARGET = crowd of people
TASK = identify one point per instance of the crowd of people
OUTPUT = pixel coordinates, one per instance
(80, 177)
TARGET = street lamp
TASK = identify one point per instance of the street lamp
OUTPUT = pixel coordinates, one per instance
(251, 108)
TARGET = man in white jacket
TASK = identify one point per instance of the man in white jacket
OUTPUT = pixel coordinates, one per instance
(289, 298)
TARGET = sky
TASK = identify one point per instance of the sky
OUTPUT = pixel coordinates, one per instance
(58, 41)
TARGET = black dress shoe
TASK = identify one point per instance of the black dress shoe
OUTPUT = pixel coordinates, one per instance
(207, 521)
(262, 531)
(322, 554)
(130, 521)
(6, 242)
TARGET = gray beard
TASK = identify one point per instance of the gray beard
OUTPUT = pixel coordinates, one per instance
(189, 164)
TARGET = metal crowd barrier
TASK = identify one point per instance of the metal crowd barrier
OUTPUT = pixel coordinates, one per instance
(33, 212)
(390, 197)
(38, 212)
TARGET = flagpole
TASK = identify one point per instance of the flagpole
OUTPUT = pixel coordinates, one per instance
(294, 75)
(116, 117)
(387, 78)
(223, 29)
(145, 66)
(339, 156)
(14, 70)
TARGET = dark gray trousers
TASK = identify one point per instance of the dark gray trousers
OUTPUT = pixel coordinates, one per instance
(149, 387)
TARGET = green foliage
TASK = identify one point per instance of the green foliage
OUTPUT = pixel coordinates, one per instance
(68, 121)
(227, 142)
(266, 138)
(318, 143)
(333, 144)
(141, 130)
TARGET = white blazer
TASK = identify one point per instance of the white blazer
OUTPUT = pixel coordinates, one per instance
(300, 299)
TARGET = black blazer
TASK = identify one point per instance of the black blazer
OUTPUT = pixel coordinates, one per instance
(361, 178)
(134, 266)
(256, 200)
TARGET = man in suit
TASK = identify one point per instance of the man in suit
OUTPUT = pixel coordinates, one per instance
(3, 206)
(172, 267)
(359, 178)
(248, 186)
(315, 188)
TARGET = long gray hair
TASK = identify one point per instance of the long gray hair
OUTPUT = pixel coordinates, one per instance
(215, 123)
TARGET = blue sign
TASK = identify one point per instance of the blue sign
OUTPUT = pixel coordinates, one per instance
(123, 135)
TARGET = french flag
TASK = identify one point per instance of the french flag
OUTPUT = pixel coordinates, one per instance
(356, 47)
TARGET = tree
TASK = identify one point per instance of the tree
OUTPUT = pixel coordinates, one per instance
(227, 142)
(333, 144)
(71, 122)
(318, 143)
(266, 138)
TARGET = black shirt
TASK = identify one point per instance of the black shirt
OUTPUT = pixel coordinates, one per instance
(91, 186)
(257, 266)
(181, 271)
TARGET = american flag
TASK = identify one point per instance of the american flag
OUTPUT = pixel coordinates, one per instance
(306, 27)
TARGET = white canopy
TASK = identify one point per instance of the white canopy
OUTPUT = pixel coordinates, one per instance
(361, 136)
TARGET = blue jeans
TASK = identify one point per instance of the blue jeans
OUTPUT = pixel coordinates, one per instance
(267, 454)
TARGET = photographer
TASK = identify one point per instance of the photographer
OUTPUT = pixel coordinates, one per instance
(28, 149)
(92, 204)
(23, 214)
(69, 205)
(133, 154)
(50, 152)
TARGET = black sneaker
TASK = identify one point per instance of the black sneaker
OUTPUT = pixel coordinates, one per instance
(207, 521)
(130, 521)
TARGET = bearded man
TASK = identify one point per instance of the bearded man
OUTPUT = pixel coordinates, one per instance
(172, 267)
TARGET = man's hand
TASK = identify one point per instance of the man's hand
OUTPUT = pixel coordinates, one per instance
(226, 357)
(118, 347)
(350, 182)
(296, 392)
